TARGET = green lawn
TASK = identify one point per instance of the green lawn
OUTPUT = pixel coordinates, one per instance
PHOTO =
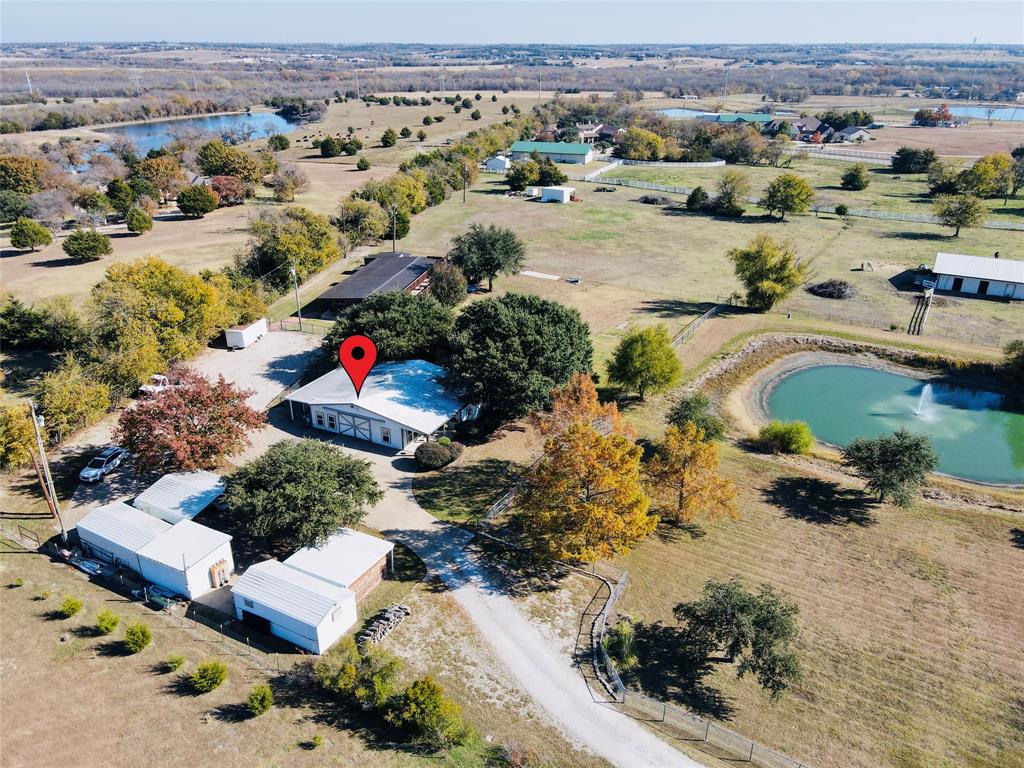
(907, 193)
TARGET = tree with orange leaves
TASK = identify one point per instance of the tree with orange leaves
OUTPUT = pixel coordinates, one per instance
(683, 476)
(577, 402)
(586, 500)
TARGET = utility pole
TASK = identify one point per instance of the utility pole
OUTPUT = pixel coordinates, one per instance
(465, 180)
(29, 79)
(37, 421)
(394, 227)
(295, 282)
(442, 81)
(357, 85)
(195, 85)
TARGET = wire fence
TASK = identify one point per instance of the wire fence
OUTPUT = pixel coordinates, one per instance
(690, 328)
(670, 718)
(306, 325)
(846, 155)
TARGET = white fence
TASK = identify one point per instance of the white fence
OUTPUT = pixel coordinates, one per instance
(846, 155)
(716, 163)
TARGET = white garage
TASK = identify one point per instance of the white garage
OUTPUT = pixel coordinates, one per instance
(980, 275)
(114, 533)
(180, 495)
(296, 606)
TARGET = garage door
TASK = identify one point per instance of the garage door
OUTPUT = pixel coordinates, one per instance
(354, 426)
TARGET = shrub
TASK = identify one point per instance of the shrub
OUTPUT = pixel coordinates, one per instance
(277, 142)
(697, 200)
(137, 636)
(833, 289)
(317, 740)
(855, 177)
(174, 662)
(431, 455)
(86, 245)
(70, 607)
(363, 164)
(29, 235)
(787, 437)
(107, 621)
(138, 221)
(208, 676)
(260, 700)
(435, 719)
(197, 201)
(44, 595)
(655, 200)
(446, 441)
(696, 408)
(18, 582)
(842, 210)
(619, 643)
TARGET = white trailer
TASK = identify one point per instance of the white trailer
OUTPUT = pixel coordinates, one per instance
(557, 194)
(242, 336)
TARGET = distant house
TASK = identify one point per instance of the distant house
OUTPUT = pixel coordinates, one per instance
(589, 132)
(185, 558)
(980, 275)
(498, 163)
(556, 151)
(400, 403)
(850, 133)
(311, 599)
(382, 272)
(611, 133)
(548, 133)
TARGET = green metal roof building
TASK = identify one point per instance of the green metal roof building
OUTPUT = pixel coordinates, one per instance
(558, 151)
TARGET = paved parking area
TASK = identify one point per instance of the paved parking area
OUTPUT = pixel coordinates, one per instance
(268, 367)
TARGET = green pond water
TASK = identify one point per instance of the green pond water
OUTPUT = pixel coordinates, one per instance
(972, 435)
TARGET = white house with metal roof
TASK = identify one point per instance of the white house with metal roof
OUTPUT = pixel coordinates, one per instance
(180, 495)
(305, 610)
(981, 275)
(185, 558)
(400, 403)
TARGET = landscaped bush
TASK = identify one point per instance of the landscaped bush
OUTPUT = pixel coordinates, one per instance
(787, 437)
(434, 455)
(363, 164)
(260, 700)
(137, 636)
(842, 210)
(655, 200)
(697, 200)
(208, 676)
(86, 245)
(174, 662)
(107, 621)
(696, 408)
(70, 607)
(833, 289)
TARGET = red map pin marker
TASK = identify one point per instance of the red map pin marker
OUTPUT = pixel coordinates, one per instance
(357, 355)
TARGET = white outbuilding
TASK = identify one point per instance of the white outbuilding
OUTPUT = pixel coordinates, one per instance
(305, 610)
(189, 559)
(980, 275)
(186, 558)
(180, 495)
(557, 194)
(498, 163)
(350, 559)
(242, 336)
(400, 403)
(114, 533)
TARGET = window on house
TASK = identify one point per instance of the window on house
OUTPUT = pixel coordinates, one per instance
(247, 602)
(385, 434)
(319, 419)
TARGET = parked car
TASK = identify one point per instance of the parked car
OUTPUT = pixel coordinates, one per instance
(102, 464)
(157, 384)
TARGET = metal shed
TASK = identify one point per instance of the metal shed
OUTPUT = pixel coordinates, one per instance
(189, 559)
(350, 559)
(116, 532)
(181, 495)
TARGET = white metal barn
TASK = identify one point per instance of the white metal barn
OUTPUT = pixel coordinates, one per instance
(400, 403)
(557, 194)
(982, 275)
(498, 163)
(189, 559)
(283, 601)
(114, 533)
(350, 559)
(180, 495)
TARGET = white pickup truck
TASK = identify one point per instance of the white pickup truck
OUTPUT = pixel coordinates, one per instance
(157, 384)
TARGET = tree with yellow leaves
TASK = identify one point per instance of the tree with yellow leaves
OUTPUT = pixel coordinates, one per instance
(586, 499)
(577, 402)
(683, 476)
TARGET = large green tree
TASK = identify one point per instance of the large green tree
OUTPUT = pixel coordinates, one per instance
(787, 193)
(447, 284)
(759, 629)
(769, 270)
(893, 466)
(486, 251)
(281, 240)
(70, 399)
(197, 200)
(959, 212)
(301, 492)
(509, 353)
(402, 326)
(29, 234)
(87, 245)
(645, 361)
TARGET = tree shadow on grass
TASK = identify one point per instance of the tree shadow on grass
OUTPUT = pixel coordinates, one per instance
(673, 668)
(820, 501)
(518, 573)
(232, 713)
(113, 648)
(465, 491)
(674, 308)
(917, 235)
(670, 531)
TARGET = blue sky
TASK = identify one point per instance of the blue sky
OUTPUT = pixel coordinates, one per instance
(516, 21)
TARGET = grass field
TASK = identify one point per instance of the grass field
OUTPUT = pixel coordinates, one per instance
(886, 191)
(910, 622)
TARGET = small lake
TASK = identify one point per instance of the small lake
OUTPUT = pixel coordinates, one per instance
(972, 436)
(981, 113)
(147, 136)
(681, 112)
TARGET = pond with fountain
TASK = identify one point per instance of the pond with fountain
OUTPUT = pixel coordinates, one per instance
(975, 437)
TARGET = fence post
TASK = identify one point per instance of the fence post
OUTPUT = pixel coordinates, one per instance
(707, 729)
(750, 758)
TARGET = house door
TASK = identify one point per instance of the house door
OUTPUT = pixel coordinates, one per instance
(256, 622)
(983, 287)
(354, 426)
(958, 284)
